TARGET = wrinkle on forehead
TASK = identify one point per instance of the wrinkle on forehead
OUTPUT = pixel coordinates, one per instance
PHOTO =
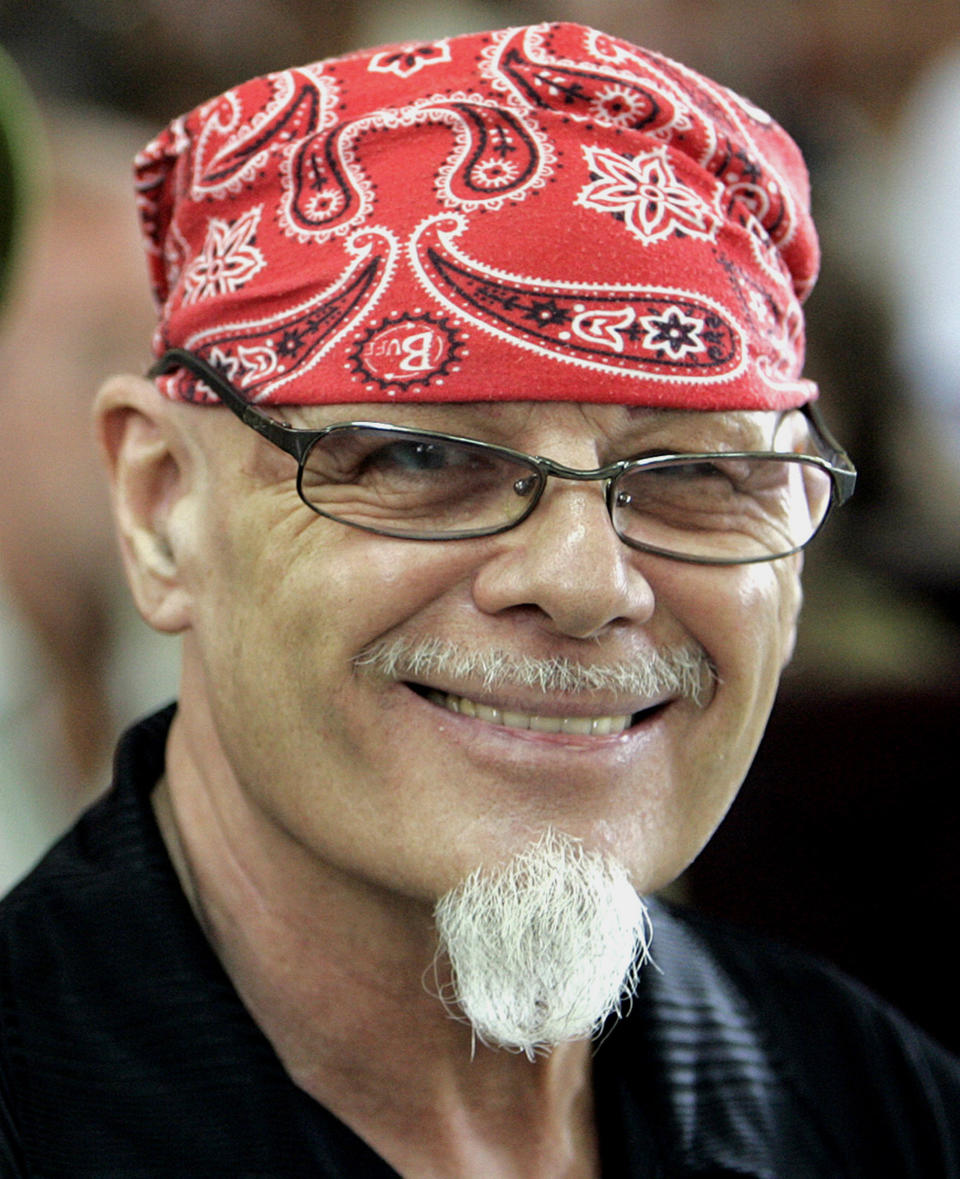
(712, 429)
(624, 429)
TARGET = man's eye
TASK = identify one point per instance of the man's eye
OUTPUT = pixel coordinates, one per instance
(688, 470)
(411, 456)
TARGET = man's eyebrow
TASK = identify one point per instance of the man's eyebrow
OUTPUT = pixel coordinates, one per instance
(708, 430)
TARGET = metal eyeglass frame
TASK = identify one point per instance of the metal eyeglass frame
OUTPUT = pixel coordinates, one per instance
(298, 442)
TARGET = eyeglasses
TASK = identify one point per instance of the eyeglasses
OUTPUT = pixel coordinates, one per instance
(725, 508)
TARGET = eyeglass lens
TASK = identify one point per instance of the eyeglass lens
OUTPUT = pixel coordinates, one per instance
(419, 486)
(413, 485)
(738, 508)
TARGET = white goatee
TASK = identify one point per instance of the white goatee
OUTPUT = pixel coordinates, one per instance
(544, 949)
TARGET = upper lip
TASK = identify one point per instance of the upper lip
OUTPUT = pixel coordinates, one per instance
(557, 682)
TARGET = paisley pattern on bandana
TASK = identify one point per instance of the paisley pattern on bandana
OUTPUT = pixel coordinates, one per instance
(646, 195)
(328, 192)
(540, 212)
(650, 334)
(231, 151)
(260, 357)
(228, 260)
(406, 61)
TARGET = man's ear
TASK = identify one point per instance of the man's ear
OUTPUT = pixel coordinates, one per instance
(148, 461)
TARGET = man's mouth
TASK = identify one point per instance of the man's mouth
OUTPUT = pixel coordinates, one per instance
(589, 726)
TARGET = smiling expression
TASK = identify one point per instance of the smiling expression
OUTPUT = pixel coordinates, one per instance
(407, 774)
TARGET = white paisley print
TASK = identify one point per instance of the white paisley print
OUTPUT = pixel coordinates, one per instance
(228, 260)
(646, 193)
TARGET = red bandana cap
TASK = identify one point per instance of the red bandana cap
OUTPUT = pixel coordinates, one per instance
(542, 213)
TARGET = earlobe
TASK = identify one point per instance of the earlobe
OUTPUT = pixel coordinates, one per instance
(147, 460)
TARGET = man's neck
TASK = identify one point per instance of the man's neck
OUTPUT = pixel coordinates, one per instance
(338, 977)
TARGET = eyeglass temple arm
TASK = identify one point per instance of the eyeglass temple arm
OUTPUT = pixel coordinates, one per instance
(288, 438)
(841, 466)
(295, 442)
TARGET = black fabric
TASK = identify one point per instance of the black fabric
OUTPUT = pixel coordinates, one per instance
(125, 1051)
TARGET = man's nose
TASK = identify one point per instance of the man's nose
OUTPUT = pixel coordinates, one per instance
(567, 562)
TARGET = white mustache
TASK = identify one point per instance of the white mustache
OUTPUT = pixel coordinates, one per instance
(674, 671)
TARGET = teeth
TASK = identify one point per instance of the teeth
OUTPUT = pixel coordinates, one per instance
(595, 726)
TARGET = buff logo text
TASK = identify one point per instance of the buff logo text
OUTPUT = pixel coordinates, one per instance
(407, 350)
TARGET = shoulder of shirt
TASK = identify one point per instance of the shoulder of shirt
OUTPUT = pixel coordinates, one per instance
(740, 1020)
(778, 982)
(102, 864)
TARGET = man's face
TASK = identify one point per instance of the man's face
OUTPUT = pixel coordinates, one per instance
(376, 777)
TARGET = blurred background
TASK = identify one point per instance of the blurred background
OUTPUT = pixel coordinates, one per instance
(846, 837)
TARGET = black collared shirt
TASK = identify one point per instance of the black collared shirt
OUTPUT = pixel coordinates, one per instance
(125, 1051)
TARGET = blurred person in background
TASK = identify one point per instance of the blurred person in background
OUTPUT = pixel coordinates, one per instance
(924, 244)
(78, 303)
(376, 897)
(16, 167)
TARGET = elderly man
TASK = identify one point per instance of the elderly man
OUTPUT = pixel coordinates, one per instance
(486, 568)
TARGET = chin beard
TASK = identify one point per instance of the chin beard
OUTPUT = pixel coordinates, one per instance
(544, 949)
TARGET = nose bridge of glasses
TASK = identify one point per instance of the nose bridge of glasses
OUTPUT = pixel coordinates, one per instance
(578, 474)
(551, 469)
